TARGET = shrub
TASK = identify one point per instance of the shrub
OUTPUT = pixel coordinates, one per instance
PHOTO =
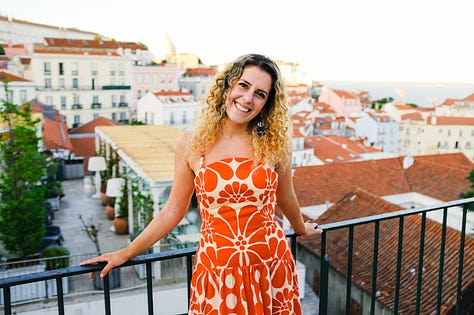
(58, 257)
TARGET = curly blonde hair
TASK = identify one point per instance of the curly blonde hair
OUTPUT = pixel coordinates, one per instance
(274, 145)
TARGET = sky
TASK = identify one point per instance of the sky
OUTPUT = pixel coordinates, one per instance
(331, 40)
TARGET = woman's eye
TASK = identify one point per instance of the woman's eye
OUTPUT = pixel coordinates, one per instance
(260, 95)
(243, 84)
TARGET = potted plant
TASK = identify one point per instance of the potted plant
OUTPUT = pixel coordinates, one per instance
(92, 232)
(121, 217)
(109, 208)
(56, 257)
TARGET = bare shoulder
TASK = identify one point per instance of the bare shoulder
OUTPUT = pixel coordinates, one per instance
(184, 150)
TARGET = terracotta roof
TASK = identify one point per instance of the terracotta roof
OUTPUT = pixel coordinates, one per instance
(11, 77)
(345, 94)
(314, 185)
(172, 93)
(90, 126)
(412, 116)
(83, 138)
(200, 71)
(449, 101)
(92, 43)
(55, 128)
(470, 97)
(75, 52)
(450, 120)
(360, 203)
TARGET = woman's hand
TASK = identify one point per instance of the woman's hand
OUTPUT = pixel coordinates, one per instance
(112, 259)
(311, 228)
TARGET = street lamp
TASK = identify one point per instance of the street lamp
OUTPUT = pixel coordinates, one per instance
(96, 164)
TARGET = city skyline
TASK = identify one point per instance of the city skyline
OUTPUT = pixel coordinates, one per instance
(367, 40)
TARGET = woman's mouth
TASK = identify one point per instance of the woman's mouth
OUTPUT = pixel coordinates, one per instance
(241, 108)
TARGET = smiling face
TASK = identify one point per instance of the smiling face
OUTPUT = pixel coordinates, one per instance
(248, 95)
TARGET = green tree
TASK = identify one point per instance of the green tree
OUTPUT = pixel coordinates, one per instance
(469, 193)
(2, 50)
(22, 205)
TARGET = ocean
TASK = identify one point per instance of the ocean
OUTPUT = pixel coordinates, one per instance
(421, 94)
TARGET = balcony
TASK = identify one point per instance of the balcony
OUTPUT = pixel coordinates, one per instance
(96, 105)
(116, 87)
(418, 266)
(76, 106)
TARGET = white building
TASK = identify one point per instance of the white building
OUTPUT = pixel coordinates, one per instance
(83, 85)
(379, 130)
(17, 31)
(19, 90)
(198, 81)
(153, 78)
(173, 108)
(437, 135)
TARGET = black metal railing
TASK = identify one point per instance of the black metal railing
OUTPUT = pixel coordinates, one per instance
(350, 226)
(399, 222)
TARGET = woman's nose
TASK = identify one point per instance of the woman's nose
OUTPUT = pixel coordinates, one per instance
(247, 96)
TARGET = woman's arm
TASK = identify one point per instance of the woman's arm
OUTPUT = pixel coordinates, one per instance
(288, 203)
(168, 217)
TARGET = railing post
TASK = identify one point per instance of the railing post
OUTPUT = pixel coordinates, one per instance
(149, 287)
(7, 301)
(323, 278)
(189, 274)
(60, 294)
(106, 295)
(461, 261)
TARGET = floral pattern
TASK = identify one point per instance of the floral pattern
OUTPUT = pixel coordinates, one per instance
(243, 264)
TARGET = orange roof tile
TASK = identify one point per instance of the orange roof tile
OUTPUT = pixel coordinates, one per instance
(360, 203)
(4, 76)
(450, 120)
(314, 185)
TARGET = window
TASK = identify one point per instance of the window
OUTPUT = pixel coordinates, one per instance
(460, 133)
(63, 102)
(76, 99)
(449, 132)
(114, 101)
(61, 83)
(95, 116)
(23, 96)
(121, 71)
(456, 145)
(185, 120)
(77, 119)
(47, 83)
(49, 100)
(10, 96)
(139, 94)
(112, 81)
(61, 68)
(94, 68)
(74, 68)
(123, 116)
(75, 83)
(468, 145)
(112, 69)
(95, 99)
(114, 116)
(171, 118)
(47, 68)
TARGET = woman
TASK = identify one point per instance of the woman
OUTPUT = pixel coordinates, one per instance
(238, 160)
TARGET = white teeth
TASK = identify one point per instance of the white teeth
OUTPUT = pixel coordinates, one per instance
(241, 108)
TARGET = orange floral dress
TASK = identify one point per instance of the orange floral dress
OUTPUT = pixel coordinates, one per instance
(243, 264)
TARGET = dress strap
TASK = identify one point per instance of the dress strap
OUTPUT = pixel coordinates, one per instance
(201, 158)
